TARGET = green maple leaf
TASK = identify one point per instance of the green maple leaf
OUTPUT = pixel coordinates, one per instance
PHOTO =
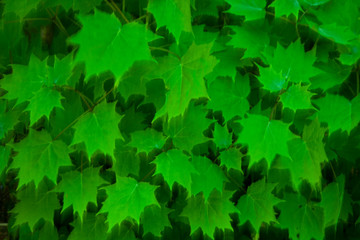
(39, 156)
(207, 7)
(307, 154)
(209, 214)
(311, 225)
(271, 79)
(154, 219)
(286, 7)
(175, 166)
(297, 97)
(332, 201)
(339, 34)
(331, 74)
(62, 71)
(25, 80)
(34, 205)
(222, 137)
(251, 36)
(208, 177)
(315, 2)
(174, 14)
(251, 9)
(229, 59)
(113, 48)
(337, 112)
(231, 158)
(230, 97)
(187, 131)
(257, 205)
(147, 140)
(265, 138)
(8, 119)
(293, 63)
(185, 78)
(4, 157)
(20, 7)
(126, 160)
(80, 189)
(42, 103)
(99, 129)
(92, 227)
(134, 81)
(84, 6)
(127, 198)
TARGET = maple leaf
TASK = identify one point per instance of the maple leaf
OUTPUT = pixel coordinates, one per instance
(127, 198)
(4, 157)
(175, 166)
(209, 214)
(35, 204)
(292, 64)
(332, 201)
(39, 156)
(99, 129)
(251, 36)
(154, 219)
(135, 79)
(251, 9)
(229, 59)
(222, 137)
(285, 7)
(92, 227)
(174, 14)
(297, 97)
(231, 158)
(147, 140)
(307, 155)
(207, 7)
(185, 78)
(312, 218)
(187, 131)
(126, 160)
(80, 189)
(113, 48)
(337, 112)
(230, 97)
(25, 80)
(20, 7)
(8, 119)
(207, 178)
(265, 138)
(257, 205)
(83, 6)
(42, 103)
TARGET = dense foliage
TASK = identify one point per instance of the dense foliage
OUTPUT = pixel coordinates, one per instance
(180, 119)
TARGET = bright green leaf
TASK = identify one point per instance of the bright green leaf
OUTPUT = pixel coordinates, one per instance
(80, 189)
(113, 47)
(265, 138)
(147, 140)
(175, 166)
(297, 97)
(39, 156)
(251, 9)
(208, 177)
(209, 214)
(174, 14)
(99, 129)
(127, 198)
(257, 205)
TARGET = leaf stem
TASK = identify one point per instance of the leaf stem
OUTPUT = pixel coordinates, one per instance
(72, 123)
(165, 50)
(119, 11)
(85, 99)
